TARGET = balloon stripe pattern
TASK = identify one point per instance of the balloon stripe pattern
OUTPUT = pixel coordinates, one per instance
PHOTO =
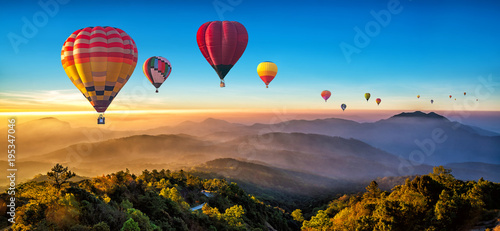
(222, 43)
(99, 61)
(267, 71)
(157, 69)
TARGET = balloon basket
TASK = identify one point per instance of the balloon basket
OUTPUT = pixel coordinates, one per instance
(101, 119)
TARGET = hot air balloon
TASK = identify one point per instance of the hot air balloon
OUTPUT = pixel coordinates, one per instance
(267, 71)
(326, 94)
(465, 93)
(99, 61)
(222, 43)
(157, 69)
(432, 101)
(378, 100)
(450, 96)
(367, 96)
(455, 98)
(343, 106)
(418, 96)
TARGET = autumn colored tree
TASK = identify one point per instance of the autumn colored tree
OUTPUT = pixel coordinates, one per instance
(60, 175)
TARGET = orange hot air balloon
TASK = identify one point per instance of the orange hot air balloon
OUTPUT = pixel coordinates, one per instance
(99, 61)
(465, 93)
(450, 96)
(267, 71)
(326, 94)
(378, 100)
(418, 96)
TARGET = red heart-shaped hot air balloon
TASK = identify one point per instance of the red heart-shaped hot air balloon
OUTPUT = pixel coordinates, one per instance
(222, 43)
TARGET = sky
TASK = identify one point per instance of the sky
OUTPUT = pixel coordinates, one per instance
(395, 50)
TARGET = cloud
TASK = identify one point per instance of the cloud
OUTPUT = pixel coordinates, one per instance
(43, 100)
(71, 100)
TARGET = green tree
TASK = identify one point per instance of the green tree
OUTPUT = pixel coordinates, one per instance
(60, 175)
(101, 226)
(130, 225)
(297, 215)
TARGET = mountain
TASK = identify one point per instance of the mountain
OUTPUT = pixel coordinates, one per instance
(271, 178)
(135, 152)
(44, 135)
(204, 128)
(475, 170)
(332, 157)
(425, 138)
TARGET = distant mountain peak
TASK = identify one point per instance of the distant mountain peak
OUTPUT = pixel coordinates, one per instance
(419, 114)
(213, 121)
(46, 121)
(49, 118)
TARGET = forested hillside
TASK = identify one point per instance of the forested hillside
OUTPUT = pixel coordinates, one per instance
(436, 201)
(165, 200)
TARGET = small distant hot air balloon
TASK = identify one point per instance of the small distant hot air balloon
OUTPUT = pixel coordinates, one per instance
(367, 96)
(477, 99)
(157, 69)
(378, 100)
(432, 101)
(326, 94)
(267, 71)
(418, 96)
(455, 98)
(99, 61)
(222, 43)
(465, 93)
(343, 106)
(450, 96)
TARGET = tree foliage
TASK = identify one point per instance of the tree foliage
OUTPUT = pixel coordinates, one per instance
(436, 201)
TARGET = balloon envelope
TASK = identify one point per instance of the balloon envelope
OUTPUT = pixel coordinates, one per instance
(367, 96)
(418, 96)
(432, 101)
(267, 71)
(99, 61)
(343, 106)
(326, 94)
(378, 100)
(222, 43)
(450, 96)
(157, 69)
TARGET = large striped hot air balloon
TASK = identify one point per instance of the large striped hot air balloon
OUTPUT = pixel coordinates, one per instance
(99, 61)
(222, 43)
(157, 69)
(267, 71)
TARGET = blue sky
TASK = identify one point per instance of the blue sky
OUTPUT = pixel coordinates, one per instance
(431, 48)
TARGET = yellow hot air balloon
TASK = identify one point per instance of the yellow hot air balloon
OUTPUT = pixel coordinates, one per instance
(267, 71)
(367, 96)
(418, 96)
(99, 61)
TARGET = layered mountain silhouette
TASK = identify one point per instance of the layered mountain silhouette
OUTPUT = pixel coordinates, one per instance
(333, 149)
